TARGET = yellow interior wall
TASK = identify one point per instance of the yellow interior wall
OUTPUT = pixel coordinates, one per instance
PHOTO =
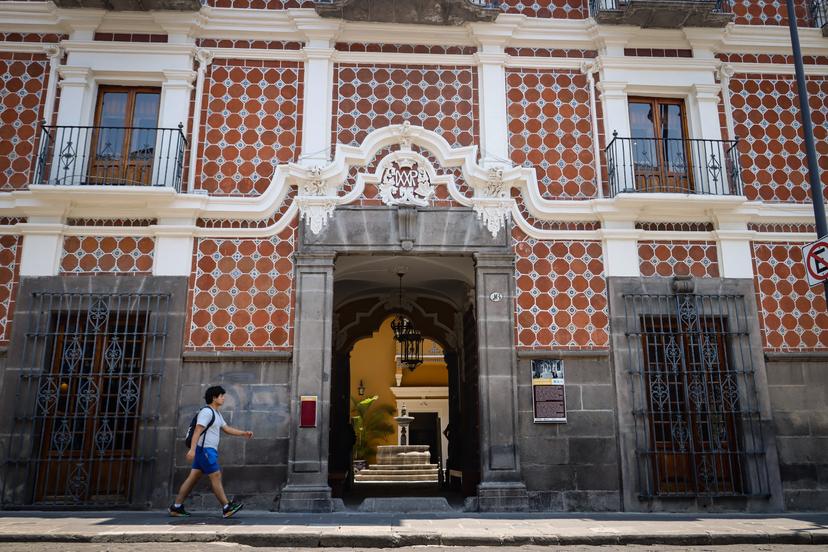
(372, 361)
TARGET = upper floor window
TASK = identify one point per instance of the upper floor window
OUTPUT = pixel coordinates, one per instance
(126, 121)
(658, 128)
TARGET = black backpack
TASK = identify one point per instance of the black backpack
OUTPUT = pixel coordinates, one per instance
(188, 437)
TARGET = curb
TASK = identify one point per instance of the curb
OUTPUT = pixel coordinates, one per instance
(397, 540)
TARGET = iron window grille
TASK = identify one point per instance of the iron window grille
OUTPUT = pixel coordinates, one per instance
(697, 421)
(84, 430)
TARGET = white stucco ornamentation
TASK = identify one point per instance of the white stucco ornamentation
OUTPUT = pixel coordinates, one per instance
(315, 204)
(491, 202)
(405, 182)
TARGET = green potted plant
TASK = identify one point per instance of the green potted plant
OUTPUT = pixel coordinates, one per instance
(372, 423)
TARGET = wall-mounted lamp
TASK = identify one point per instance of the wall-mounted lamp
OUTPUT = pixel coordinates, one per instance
(361, 388)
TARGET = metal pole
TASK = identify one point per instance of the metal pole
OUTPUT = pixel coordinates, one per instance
(808, 130)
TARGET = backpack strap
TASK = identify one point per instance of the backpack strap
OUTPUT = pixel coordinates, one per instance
(213, 419)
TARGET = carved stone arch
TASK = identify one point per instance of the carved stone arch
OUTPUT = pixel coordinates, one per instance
(365, 323)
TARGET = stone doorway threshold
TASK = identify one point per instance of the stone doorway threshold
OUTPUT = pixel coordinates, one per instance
(403, 498)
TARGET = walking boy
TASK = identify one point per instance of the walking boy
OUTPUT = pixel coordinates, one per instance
(204, 454)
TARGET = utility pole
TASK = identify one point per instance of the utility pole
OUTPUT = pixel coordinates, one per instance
(808, 129)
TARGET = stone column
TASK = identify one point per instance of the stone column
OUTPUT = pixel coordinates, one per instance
(501, 484)
(307, 487)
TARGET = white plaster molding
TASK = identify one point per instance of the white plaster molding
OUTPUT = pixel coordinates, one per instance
(403, 59)
(777, 68)
(259, 54)
(543, 62)
(203, 58)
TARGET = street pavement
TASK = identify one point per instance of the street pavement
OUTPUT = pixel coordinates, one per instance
(362, 530)
(232, 547)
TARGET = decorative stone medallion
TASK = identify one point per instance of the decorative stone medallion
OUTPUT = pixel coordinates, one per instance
(405, 182)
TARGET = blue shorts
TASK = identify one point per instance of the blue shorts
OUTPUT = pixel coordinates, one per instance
(206, 460)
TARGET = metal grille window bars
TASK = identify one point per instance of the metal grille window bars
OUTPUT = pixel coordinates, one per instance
(697, 421)
(597, 6)
(819, 14)
(111, 156)
(87, 398)
(673, 165)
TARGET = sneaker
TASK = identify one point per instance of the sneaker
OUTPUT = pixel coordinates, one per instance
(231, 508)
(178, 511)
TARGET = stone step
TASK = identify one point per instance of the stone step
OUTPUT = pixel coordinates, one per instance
(408, 458)
(397, 449)
(362, 476)
(405, 504)
(402, 467)
(395, 473)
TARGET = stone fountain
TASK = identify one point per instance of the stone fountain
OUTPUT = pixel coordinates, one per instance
(401, 463)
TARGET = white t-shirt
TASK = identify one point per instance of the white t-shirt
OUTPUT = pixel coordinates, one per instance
(211, 439)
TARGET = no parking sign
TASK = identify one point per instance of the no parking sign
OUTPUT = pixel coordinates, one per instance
(815, 256)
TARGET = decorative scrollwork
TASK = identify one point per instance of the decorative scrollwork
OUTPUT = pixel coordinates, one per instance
(113, 355)
(98, 313)
(78, 483)
(696, 392)
(47, 394)
(87, 395)
(673, 354)
(72, 354)
(660, 393)
(104, 437)
(62, 438)
(681, 435)
(128, 394)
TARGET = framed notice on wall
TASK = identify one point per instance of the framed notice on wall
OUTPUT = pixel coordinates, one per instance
(548, 396)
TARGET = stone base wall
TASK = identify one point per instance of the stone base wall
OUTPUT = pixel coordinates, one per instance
(798, 386)
(571, 466)
(257, 400)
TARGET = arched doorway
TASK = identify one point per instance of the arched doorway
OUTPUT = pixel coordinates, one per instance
(438, 297)
(416, 233)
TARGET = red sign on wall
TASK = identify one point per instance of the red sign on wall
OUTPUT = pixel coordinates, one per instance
(307, 411)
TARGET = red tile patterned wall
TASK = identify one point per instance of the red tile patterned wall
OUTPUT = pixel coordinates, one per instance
(242, 293)
(442, 99)
(10, 250)
(23, 81)
(792, 315)
(561, 294)
(107, 254)
(550, 129)
(678, 258)
(558, 9)
(252, 114)
(768, 12)
(551, 52)
(774, 167)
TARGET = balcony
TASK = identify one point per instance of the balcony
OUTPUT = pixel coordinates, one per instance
(132, 5)
(423, 12)
(111, 156)
(662, 14)
(819, 15)
(679, 166)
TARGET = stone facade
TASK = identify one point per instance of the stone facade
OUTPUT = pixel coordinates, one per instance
(480, 154)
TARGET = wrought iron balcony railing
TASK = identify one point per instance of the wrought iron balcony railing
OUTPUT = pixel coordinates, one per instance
(819, 15)
(666, 14)
(111, 156)
(669, 165)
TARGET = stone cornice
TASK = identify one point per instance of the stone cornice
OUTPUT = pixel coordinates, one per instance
(305, 24)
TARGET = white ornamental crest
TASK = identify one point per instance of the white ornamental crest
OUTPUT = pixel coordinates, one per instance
(405, 182)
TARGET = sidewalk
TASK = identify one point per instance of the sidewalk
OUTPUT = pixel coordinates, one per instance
(394, 530)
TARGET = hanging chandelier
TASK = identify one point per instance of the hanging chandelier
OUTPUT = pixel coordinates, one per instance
(408, 337)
